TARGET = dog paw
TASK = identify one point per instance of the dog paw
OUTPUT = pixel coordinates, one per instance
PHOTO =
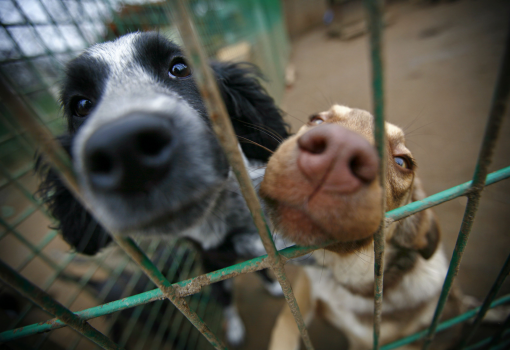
(274, 289)
(235, 330)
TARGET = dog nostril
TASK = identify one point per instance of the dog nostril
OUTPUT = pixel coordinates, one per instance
(364, 166)
(314, 145)
(152, 143)
(101, 163)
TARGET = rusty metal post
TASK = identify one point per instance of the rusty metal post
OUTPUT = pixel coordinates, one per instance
(225, 133)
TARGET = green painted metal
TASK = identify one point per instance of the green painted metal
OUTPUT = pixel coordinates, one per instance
(184, 289)
(496, 113)
(155, 17)
(487, 342)
(470, 331)
(444, 325)
(374, 10)
(222, 126)
(60, 161)
(503, 330)
(130, 247)
(46, 302)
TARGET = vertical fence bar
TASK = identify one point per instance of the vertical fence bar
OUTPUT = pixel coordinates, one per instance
(497, 111)
(47, 303)
(496, 338)
(468, 334)
(129, 246)
(61, 162)
(225, 133)
(374, 9)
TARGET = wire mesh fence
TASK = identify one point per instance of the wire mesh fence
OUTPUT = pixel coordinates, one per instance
(37, 38)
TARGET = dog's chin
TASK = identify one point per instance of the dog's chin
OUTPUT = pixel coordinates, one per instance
(163, 220)
(174, 222)
(302, 228)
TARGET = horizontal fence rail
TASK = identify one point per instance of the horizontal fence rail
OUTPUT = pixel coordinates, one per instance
(193, 285)
(222, 126)
(492, 128)
(274, 259)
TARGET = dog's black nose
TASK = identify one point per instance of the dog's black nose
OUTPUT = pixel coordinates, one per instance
(131, 154)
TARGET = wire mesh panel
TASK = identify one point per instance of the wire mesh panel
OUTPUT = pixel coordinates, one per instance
(37, 38)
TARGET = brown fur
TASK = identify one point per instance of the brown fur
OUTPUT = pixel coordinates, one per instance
(305, 213)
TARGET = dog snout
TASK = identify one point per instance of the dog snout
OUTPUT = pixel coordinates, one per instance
(337, 158)
(131, 154)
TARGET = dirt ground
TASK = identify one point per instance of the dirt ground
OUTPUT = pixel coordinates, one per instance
(441, 67)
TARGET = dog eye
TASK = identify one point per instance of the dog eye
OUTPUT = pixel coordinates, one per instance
(402, 162)
(316, 119)
(83, 107)
(179, 69)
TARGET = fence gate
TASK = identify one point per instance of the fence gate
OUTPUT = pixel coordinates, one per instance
(36, 38)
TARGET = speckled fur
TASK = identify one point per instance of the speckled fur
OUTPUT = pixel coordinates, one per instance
(198, 198)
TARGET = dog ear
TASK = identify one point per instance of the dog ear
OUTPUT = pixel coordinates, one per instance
(78, 227)
(253, 112)
(418, 232)
(428, 242)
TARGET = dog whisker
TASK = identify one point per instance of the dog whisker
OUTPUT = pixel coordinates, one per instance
(266, 130)
(245, 140)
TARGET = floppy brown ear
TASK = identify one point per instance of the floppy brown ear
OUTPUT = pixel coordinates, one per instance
(419, 232)
(430, 240)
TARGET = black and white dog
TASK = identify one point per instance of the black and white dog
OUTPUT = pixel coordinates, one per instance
(147, 159)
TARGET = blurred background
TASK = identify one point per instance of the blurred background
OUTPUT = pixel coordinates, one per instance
(441, 59)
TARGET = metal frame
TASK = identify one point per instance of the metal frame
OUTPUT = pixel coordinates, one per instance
(274, 259)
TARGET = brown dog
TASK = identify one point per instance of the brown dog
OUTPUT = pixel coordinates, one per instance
(321, 184)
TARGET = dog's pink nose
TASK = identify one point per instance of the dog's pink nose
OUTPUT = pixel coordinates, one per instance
(338, 159)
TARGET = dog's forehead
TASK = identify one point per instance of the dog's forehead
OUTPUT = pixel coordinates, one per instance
(135, 48)
(394, 133)
(355, 119)
(117, 52)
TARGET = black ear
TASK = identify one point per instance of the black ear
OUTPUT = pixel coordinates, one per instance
(78, 227)
(253, 112)
(419, 232)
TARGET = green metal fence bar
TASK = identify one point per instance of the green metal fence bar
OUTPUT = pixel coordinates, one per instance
(132, 282)
(129, 246)
(443, 196)
(45, 286)
(503, 329)
(60, 160)
(276, 259)
(134, 318)
(191, 286)
(468, 334)
(496, 113)
(29, 245)
(42, 136)
(38, 248)
(46, 302)
(169, 312)
(374, 10)
(487, 341)
(156, 307)
(444, 325)
(85, 278)
(225, 133)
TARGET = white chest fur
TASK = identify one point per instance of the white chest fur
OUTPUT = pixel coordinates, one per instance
(335, 283)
